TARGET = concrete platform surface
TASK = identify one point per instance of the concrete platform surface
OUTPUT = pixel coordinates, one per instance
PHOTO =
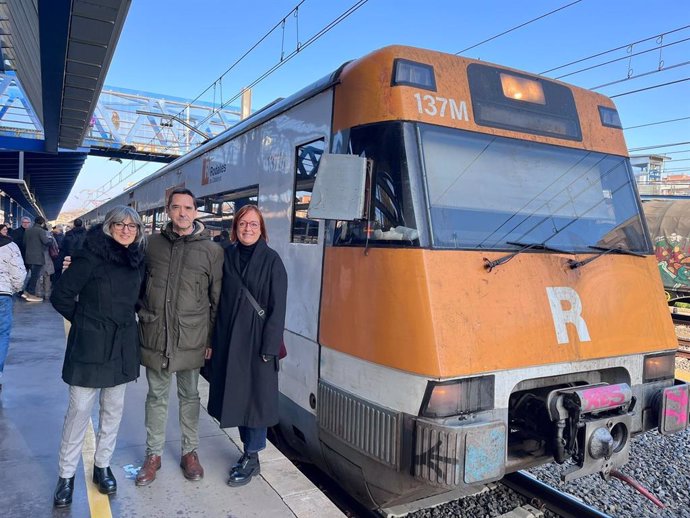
(33, 402)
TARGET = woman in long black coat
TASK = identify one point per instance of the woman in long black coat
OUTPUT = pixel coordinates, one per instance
(98, 294)
(244, 363)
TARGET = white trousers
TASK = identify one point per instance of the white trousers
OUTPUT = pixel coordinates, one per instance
(81, 401)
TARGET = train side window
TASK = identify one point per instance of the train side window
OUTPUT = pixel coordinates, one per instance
(307, 157)
(147, 220)
(391, 220)
(217, 211)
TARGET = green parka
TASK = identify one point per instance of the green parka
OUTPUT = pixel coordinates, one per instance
(178, 306)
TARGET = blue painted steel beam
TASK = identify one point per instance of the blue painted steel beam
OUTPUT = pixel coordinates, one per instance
(21, 144)
(53, 28)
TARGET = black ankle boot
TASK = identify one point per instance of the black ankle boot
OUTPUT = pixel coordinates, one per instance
(105, 480)
(63, 492)
(242, 472)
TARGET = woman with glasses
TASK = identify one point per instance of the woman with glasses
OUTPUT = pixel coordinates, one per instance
(97, 294)
(247, 339)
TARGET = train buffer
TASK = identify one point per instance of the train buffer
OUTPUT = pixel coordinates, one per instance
(32, 407)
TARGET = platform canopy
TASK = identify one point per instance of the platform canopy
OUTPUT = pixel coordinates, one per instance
(60, 51)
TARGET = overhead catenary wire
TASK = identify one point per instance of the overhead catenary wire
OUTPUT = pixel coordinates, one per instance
(212, 85)
(657, 146)
(598, 65)
(637, 76)
(614, 49)
(656, 123)
(517, 27)
(345, 14)
(246, 53)
(677, 152)
(287, 58)
(650, 88)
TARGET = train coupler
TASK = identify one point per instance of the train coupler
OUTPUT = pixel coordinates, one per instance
(592, 425)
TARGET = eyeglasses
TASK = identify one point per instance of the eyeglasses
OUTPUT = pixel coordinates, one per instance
(252, 224)
(130, 226)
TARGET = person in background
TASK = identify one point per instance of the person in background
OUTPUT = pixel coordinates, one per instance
(12, 274)
(73, 240)
(98, 294)
(59, 237)
(45, 283)
(244, 361)
(36, 241)
(5, 231)
(18, 234)
(183, 277)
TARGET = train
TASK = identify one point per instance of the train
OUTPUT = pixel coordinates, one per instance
(669, 226)
(472, 285)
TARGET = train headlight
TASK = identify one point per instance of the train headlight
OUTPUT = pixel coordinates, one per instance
(659, 367)
(461, 396)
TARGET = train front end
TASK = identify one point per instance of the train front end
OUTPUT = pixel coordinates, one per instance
(499, 305)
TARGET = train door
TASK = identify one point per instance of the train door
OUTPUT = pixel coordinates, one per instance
(291, 146)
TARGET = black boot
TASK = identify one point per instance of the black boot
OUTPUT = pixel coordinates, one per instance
(63, 492)
(105, 480)
(242, 472)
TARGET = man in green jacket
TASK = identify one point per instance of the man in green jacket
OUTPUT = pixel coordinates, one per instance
(183, 280)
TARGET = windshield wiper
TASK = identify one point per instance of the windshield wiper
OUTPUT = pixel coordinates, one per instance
(490, 265)
(606, 250)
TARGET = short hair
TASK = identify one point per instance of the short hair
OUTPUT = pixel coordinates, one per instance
(26, 218)
(39, 220)
(78, 222)
(120, 213)
(240, 214)
(179, 190)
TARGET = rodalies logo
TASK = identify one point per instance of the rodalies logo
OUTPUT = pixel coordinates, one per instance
(211, 172)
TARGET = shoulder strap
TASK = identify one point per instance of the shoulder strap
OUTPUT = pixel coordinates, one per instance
(253, 302)
(259, 310)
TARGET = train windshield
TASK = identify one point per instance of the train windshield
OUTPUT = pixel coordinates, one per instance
(491, 192)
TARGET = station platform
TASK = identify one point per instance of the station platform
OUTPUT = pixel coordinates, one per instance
(33, 402)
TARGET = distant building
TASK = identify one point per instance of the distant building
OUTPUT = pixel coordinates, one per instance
(653, 178)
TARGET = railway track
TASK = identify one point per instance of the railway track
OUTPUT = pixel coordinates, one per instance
(544, 496)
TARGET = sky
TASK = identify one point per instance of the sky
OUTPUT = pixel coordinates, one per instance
(179, 48)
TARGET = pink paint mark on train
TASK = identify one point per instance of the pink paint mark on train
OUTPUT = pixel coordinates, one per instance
(602, 397)
(680, 397)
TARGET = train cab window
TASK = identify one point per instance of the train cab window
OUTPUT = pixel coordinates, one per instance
(391, 220)
(305, 230)
(489, 192)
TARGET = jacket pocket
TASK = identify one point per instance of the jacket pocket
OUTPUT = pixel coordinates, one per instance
(150, 330)
(193, 331)
(93, 341)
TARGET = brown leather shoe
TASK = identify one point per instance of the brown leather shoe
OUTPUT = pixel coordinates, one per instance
(147, 473)
(191, 467)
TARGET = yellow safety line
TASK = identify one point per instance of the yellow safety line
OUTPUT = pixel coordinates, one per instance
(683, 375)
(99, 504)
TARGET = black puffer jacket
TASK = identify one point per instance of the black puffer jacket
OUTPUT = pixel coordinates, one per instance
(103, 343)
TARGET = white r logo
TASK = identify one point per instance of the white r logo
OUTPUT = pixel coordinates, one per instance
(561, 316)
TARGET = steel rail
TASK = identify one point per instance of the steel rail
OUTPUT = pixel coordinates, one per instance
(560, 503)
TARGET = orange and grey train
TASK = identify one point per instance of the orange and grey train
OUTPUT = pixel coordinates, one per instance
(473, 289)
